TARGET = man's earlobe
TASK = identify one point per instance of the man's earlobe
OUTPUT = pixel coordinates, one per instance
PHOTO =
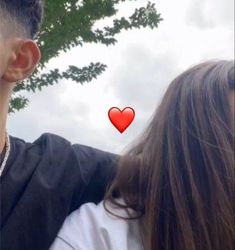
(22, 62)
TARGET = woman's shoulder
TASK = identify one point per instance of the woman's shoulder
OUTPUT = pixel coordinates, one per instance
(93, 228)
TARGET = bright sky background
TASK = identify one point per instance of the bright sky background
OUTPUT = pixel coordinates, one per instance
(140, 67)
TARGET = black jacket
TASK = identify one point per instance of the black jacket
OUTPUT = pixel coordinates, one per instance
(42, 183)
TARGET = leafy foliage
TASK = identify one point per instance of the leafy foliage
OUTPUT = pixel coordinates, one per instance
(70, 23)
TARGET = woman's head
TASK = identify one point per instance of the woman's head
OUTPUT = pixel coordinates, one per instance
(180, 175)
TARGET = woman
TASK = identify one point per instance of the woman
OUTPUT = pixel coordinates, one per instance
(175, 189)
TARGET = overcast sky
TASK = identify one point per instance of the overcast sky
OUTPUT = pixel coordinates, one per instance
(140, 67)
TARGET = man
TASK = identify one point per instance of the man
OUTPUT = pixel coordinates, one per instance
(44, 181)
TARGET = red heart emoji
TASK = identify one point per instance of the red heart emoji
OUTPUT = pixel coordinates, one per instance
(121, 119)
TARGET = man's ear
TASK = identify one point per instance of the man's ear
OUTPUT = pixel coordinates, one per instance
(23, 59)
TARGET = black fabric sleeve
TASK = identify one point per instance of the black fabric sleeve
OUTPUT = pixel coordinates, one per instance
(99, 171)
(43, 182)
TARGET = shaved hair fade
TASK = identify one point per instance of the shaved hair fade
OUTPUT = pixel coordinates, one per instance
(20, 18)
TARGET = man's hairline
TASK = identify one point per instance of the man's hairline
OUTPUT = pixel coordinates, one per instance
(8, 19)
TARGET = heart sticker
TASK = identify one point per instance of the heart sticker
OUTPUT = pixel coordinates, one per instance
(121, 120)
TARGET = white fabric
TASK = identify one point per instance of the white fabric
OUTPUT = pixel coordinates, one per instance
(92, 228)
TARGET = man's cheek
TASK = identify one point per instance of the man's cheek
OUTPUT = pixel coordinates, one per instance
(1, 70)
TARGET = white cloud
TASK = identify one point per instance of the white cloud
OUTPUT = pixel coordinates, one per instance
(210, 13)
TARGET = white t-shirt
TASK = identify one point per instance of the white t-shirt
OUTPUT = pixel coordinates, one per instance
(92, 228)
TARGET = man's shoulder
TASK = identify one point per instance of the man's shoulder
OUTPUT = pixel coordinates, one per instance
(55, 141)
(52, 157)
(54, 146)
(46, 146)
(42, 141)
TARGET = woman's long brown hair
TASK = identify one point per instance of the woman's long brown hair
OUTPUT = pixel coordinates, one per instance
(179, 178)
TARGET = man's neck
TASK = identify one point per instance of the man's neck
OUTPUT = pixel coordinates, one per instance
(5, 94)
(2, 140)
(3, 118)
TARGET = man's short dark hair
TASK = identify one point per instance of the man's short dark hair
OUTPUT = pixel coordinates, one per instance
(27, 13)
